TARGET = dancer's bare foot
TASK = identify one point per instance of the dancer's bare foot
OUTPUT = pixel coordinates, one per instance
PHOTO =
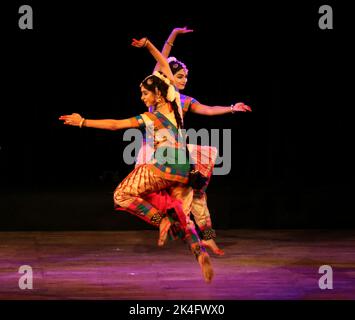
(206, 266)
(212, 245)
(163, 231)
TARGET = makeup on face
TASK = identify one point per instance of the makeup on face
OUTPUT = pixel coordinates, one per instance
(180, 78)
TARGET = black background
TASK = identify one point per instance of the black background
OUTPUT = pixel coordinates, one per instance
(291, 157)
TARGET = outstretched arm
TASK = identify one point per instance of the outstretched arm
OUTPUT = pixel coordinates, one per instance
(218, 110)
(75, 119)
(163, 62)
(170, 42)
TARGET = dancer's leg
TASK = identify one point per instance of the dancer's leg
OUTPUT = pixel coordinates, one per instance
(128, 194)
(199, 250)
(142, 181)
(185, 195)
(202, 217)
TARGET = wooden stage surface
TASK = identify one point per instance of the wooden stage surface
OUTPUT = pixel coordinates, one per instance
(259, 264)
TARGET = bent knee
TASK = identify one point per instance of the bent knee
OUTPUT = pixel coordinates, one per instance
(120, 199)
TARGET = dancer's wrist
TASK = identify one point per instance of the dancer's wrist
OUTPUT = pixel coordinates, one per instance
(82, 123)
(145, 42)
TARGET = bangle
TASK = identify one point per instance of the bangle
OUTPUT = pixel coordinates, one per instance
(232, 110)
(145, 42)
(170, 44)
(81, 123)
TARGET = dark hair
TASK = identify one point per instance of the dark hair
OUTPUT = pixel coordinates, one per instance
(153, 82)
(176, 65)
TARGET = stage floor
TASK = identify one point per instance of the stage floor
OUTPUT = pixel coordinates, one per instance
(259, 264)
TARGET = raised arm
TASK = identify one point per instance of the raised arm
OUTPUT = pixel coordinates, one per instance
(205, 110)
(76, 120)
(163, 62)
(169, 43)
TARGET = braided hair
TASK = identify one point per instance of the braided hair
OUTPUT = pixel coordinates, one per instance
(152, 83)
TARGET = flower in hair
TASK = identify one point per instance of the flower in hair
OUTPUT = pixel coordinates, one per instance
(177, 64)
(171, 94)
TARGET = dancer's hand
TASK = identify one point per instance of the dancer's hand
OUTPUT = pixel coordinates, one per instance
(182, 30)
(139, 43)
(241, 107)
(72, 120)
